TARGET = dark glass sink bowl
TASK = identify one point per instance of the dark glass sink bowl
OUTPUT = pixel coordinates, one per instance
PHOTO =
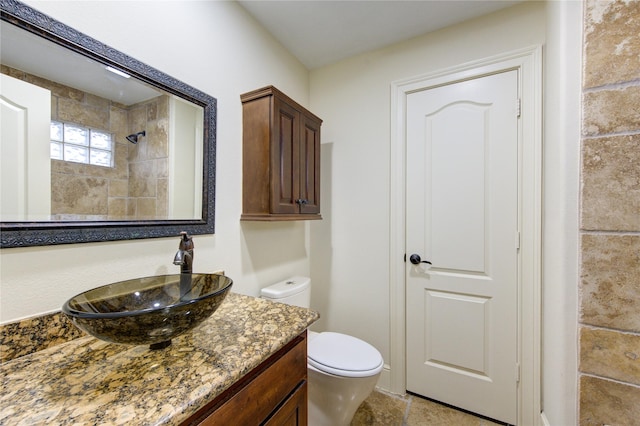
(148, 311)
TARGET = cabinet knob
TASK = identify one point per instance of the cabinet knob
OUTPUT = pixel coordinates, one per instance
(302, 201)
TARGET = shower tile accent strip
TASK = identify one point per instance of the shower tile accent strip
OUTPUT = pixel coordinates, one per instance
(87, 381)
(35, 334)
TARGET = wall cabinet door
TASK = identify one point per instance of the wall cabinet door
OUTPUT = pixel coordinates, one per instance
(285, 158)
(281, 158)
(309, 165)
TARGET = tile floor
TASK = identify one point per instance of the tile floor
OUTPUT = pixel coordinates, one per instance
(382, 409)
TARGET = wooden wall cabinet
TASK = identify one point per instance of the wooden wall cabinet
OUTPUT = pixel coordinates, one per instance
(280, 158)
(273, 394)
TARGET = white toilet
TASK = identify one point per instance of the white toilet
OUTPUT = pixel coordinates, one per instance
(342, 369)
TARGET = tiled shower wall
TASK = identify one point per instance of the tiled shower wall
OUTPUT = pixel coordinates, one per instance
(136, 187)
(83, 191)
(610, 215)
(149, 160)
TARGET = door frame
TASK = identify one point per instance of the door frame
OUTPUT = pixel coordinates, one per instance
(528, 62)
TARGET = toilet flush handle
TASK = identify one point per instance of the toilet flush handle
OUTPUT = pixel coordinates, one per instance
(415, 259)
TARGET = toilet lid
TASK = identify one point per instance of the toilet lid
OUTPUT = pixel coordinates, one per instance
(343, 355)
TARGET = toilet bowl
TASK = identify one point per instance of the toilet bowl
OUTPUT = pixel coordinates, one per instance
(342, 370)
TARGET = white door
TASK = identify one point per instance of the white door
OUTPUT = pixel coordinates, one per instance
(25, 161)
(185, 165)
(462, 216)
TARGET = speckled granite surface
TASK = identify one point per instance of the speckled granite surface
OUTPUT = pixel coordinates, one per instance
(35, 334)
(89, 382)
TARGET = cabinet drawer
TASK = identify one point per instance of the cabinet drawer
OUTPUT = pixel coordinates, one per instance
(268, 387)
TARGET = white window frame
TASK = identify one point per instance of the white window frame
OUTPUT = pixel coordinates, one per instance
(62, 142)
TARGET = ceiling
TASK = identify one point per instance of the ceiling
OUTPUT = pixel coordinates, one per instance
(317, 32)
(35, 55)
(321, 32)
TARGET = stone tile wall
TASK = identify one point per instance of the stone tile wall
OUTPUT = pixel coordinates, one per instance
(609, 326)
(149, 160)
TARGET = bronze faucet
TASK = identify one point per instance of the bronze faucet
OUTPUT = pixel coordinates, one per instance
(184, 256)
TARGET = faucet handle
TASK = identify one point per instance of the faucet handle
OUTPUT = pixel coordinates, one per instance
(186, 242)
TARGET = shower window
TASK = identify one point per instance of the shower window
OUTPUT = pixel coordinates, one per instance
(78, 144)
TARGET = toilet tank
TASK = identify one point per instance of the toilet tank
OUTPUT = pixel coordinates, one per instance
(292, 291)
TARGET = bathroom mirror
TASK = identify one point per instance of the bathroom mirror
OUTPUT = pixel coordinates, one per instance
(118, 151)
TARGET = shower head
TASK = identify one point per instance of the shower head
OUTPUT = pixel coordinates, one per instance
(133, 138)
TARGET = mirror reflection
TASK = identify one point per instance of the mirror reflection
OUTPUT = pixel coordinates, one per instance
(83, 141)
(96, 145)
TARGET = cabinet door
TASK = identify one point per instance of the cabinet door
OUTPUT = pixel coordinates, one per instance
(293, 412)
(309, 165)
(285, 152)
(275, 393)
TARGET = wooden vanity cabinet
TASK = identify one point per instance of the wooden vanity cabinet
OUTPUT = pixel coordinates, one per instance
(273, 394)
(280, 158)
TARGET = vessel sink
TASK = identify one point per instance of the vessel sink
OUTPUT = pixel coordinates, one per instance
(148, 311)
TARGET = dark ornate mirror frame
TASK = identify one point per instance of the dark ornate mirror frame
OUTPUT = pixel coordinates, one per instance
(27, 234)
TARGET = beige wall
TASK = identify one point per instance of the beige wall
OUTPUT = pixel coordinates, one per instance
(217, 48)
(561, 146)
(610, 216)
(350, 262)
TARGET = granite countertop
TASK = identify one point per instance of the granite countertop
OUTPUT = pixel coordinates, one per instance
(89, 382)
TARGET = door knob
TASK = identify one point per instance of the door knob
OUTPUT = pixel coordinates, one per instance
(415, 259)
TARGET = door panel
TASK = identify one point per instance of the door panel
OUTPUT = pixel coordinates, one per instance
(25, 112)
(466, 318)
(462, 215)
(310, 166)
(284, 158)
(457, 188)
